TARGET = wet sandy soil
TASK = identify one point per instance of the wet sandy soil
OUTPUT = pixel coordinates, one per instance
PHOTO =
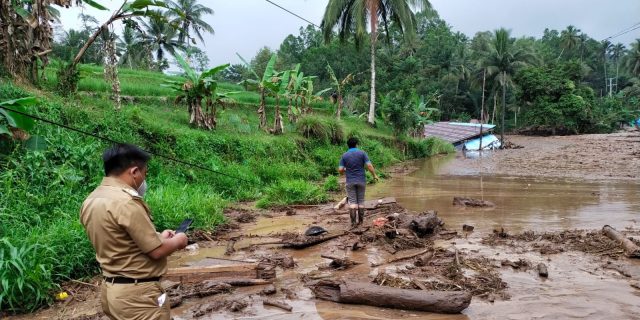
(585, 157)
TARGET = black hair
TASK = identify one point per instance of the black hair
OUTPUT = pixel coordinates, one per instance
(121, 157)
(352, 142)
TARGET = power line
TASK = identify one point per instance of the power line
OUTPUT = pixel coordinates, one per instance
(118, 142)
(624, 31)
(287, 10)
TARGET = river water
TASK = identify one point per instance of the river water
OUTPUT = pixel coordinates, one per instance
(577, 288)
(522, 203)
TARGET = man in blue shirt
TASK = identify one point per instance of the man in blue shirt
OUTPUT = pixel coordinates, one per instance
(352, 164)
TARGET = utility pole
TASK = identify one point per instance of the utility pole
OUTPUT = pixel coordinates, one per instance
(484, 78)
(504, 107)
(611, 85)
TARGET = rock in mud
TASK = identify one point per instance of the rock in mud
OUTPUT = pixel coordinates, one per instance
(269, 290)
(470, 202)
(279, 260)
(426, 225)
(467, 228)
(542, 270)
(231, 305)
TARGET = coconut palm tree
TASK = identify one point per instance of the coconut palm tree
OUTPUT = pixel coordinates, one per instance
(633, 59)
(502, 61)
(569, 39)
(617, 52)
(188, 15)
(351, 16)
(160, 36)
(132, 50)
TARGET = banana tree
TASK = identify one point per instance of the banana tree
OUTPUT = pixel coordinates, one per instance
(266, 85)
(196, 88)
(338, 86)
(426, 110)
(308, 96)
(293, 90)
(281, 79)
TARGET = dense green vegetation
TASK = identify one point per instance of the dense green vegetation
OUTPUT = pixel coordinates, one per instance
(448, 67)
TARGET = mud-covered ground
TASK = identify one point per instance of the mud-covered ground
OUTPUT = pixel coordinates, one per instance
(593, 157)
(589, 275)
(500, 269)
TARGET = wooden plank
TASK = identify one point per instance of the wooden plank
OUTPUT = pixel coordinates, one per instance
(193, 274)
(212, 269)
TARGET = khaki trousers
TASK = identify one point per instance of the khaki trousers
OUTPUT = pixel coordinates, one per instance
(135, 301)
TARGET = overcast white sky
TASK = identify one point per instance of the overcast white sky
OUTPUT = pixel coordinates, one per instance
(244, 26)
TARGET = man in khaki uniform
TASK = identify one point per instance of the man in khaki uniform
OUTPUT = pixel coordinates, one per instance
(131, 253)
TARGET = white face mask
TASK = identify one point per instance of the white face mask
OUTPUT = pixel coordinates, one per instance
(142, 188)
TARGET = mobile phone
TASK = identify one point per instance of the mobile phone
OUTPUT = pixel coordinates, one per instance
(184, 226)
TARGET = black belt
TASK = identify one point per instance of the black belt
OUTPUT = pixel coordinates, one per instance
(129, 280)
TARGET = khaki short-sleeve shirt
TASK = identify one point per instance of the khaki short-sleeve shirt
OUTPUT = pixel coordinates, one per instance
(118, 223)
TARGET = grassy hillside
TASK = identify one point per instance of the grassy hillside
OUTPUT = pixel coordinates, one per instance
(41, 240)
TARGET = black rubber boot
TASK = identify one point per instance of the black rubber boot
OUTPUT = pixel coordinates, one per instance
(360, 215)
(352, 214)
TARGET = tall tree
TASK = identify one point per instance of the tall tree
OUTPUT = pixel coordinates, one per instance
(502, 61)
(617, 52)
(132, 49)
(351, 16)
(160, 36)
(188, 15)
(633, 59)
(569, 39)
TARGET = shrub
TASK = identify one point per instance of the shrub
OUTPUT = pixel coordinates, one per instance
(313, 127)
(25, 276)
(288, 192)
(335, 131)
(172, 202)
(438, 146)
(331, 184)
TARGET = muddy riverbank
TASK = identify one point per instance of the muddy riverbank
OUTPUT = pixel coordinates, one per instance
(584, 157)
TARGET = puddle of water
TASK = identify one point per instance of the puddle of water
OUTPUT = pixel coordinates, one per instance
(521, 203)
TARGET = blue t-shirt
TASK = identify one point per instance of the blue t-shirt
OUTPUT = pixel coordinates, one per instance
(354, 161)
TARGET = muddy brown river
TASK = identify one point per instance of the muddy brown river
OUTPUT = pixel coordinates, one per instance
(540, 204)
(577, 288)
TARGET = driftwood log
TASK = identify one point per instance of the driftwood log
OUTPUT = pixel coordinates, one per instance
(632, 250)
(470, 202)
(340, 263)
(305, 242)
(407, 299)
(277, 304)
(396, 259)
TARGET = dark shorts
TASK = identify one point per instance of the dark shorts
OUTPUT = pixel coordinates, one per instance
(355, 193)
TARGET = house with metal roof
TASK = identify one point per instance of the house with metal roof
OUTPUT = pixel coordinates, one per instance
(458, 133)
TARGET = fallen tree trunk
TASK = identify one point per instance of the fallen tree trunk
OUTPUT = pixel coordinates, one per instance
(387, 297)
(400, 258)
(305, 242)
(632, 250)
